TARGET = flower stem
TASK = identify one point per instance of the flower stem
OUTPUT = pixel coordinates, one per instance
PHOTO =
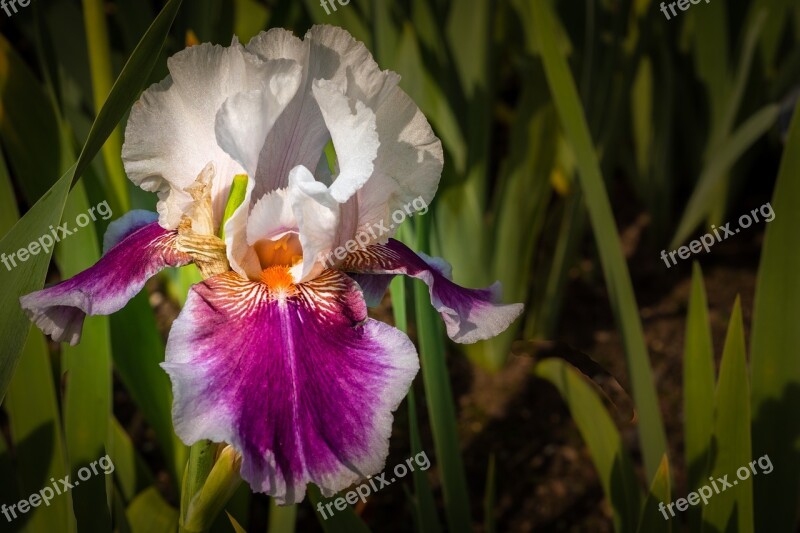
(201, 461)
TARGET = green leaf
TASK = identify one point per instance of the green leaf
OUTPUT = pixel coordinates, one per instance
(341, 521)
(87, 378)
(733, 507)
(424, 505)
(27, 120)
(602, 438)
(237, 528)
(94, 16)
(49, 208)
(138, 350)
(250, 17)
(642, 114)
(489, 498)
(130, 470)
(149, 513)
(719, 163)
(620, 289)
(438, 393)
(652, 519)
(27, 277)
(698, 389)
(774, 349)
(469, 36)
(35, 425)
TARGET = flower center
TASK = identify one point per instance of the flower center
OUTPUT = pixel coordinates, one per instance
(279, 280)
(285, 251)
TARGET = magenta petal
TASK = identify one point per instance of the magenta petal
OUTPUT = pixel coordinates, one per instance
(141, 249)
(470, 315)
(303, 385)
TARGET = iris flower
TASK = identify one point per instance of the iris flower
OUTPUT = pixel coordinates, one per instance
(273, 352)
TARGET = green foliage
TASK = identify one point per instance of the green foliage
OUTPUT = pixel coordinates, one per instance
(775, 342)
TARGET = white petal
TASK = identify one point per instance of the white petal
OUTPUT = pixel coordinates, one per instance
(241, 256)
(356, 68)
(408, 167)
(354, 135)
(317, 215)
(271, 217)
(245, 119)
(170, 134)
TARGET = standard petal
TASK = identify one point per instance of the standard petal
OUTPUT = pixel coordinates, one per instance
(245, 119)
(409, 162)
(141, 252)
(299, 380)
(170, 135)
(470, 315)
(317, 215)
(354, 137)
(327, 53)
(408, 166)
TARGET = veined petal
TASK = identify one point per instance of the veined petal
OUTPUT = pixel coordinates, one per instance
(296, 378)
(141, 252)
(470, 315)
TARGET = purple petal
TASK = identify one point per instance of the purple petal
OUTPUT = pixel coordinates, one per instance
(300, 382)
(142, 250)
(470, 315)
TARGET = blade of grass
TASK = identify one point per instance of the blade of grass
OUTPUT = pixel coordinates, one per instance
(130, 470)
(698, 389)
(489, 497)
(36, 431)
(425, 506)
(652, 520)
(602, 438)
(102, 80)
(346, 521)
(149, 513)
(441, 409)
(87, 379)
(138, 349)
(774, 347)
(27, 120)
(620, 289)
(733, 507)
(717, 167)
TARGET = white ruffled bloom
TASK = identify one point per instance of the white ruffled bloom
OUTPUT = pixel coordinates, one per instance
(268, 110)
